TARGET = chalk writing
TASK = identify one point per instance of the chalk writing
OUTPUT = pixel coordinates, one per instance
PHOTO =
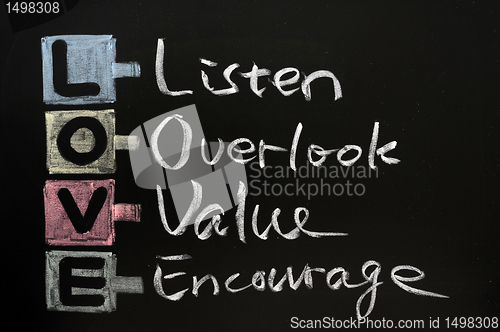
(259, 281)
(253, 76)
(197, 194)
(233, 148)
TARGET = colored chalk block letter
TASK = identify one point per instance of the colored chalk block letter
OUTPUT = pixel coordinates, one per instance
(85, 281)
(81, 69)
(83, 213)
(83, 142)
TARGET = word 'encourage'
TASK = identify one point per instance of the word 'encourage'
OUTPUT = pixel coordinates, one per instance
(259, 281)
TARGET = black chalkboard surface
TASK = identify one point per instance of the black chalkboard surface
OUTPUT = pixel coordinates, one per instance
(357, 176)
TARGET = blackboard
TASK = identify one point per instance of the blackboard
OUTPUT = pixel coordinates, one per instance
(424, 74)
